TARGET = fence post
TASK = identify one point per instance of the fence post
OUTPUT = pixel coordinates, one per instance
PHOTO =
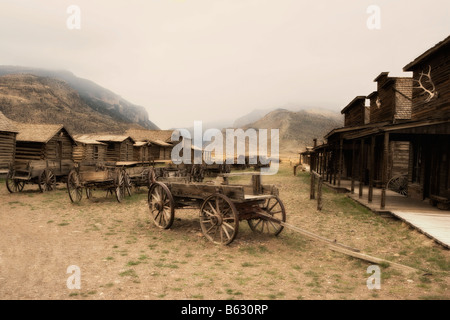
(319, 194)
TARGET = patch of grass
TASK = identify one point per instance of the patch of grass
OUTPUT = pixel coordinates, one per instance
(129, 273)
(133, 263)
(247, 264)
(62, 224)
(50, 221)
(73, 294)
(109, 258)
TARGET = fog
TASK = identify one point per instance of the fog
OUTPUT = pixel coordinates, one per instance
(213, 60)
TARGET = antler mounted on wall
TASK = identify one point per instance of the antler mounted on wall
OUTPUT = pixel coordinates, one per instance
(432, 94)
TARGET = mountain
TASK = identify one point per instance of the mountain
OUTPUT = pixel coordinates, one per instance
(34, 99)
(251, 117)
(90, 94)
(298, 129)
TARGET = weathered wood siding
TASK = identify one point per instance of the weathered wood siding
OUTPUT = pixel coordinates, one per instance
(7, 148)
(60, 147)
(126, 150)
(141, 153)
(30, 150)
(386, 96)
(399, 158)
(355, 115)
(94, 152)
(440, 75)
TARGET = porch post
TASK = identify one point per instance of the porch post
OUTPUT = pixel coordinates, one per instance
(371, 168)
(353, 166)
(385, 169)
(341, 143)
(361, 169)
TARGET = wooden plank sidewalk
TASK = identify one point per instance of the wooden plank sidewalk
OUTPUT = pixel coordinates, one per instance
(429, 220)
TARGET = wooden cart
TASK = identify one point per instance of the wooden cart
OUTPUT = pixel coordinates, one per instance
(222, 206)
(44, 173)
(92, 176)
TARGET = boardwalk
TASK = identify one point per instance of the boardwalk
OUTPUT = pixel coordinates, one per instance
(429, 220)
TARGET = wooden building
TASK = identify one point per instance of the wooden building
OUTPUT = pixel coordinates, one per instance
(47, 145)
(157, 142)
(88, 150)
(43, 142)
(429, 171)
(407, 136)
(8, 133)
(118, 147)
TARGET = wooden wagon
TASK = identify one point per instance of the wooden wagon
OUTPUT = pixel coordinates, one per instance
(90, 176)
(222, 206)
(44, 173)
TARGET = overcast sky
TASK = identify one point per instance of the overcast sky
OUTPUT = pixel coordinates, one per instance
(187, 60)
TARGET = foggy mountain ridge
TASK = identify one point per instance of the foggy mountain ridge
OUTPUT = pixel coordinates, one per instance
(93, 95)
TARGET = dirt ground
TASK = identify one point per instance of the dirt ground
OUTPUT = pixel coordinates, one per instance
(122, 255)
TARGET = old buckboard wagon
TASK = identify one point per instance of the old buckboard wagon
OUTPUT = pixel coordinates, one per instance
(222, 206)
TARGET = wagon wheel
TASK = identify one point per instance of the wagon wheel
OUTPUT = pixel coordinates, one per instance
(14, 185)
(399, 184)
(127, 183)
(119, 188)
(74, 187)
(47, 180)
(88, 193)
(272, 207)
(161, 205)
(219, 219)
(151, 176)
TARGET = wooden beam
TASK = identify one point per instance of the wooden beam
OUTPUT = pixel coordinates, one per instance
(385, 170)
(341, 142)
(361, 168)
(371, 167)
(353, 166)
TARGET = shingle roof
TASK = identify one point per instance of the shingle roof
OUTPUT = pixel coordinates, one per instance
(7, 125)
(426, 54)
(37, 132)
(150, 135)
(103, 137)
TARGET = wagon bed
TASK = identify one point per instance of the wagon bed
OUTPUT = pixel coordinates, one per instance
(44, 173)
(222, 206)
(89, 176)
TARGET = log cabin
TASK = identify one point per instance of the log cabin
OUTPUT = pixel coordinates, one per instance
(49, 142)
(118, 147)
(89, 150)
(8, 133)
(158, 143)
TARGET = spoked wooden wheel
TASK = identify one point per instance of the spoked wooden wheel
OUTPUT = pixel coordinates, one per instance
(88, 193)
(47, 181)
(219, 219)
(120, 186)
(127, 184)
(399, 184)
(74, 187)
(14, 185)
(273, 208)
(161, 205)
